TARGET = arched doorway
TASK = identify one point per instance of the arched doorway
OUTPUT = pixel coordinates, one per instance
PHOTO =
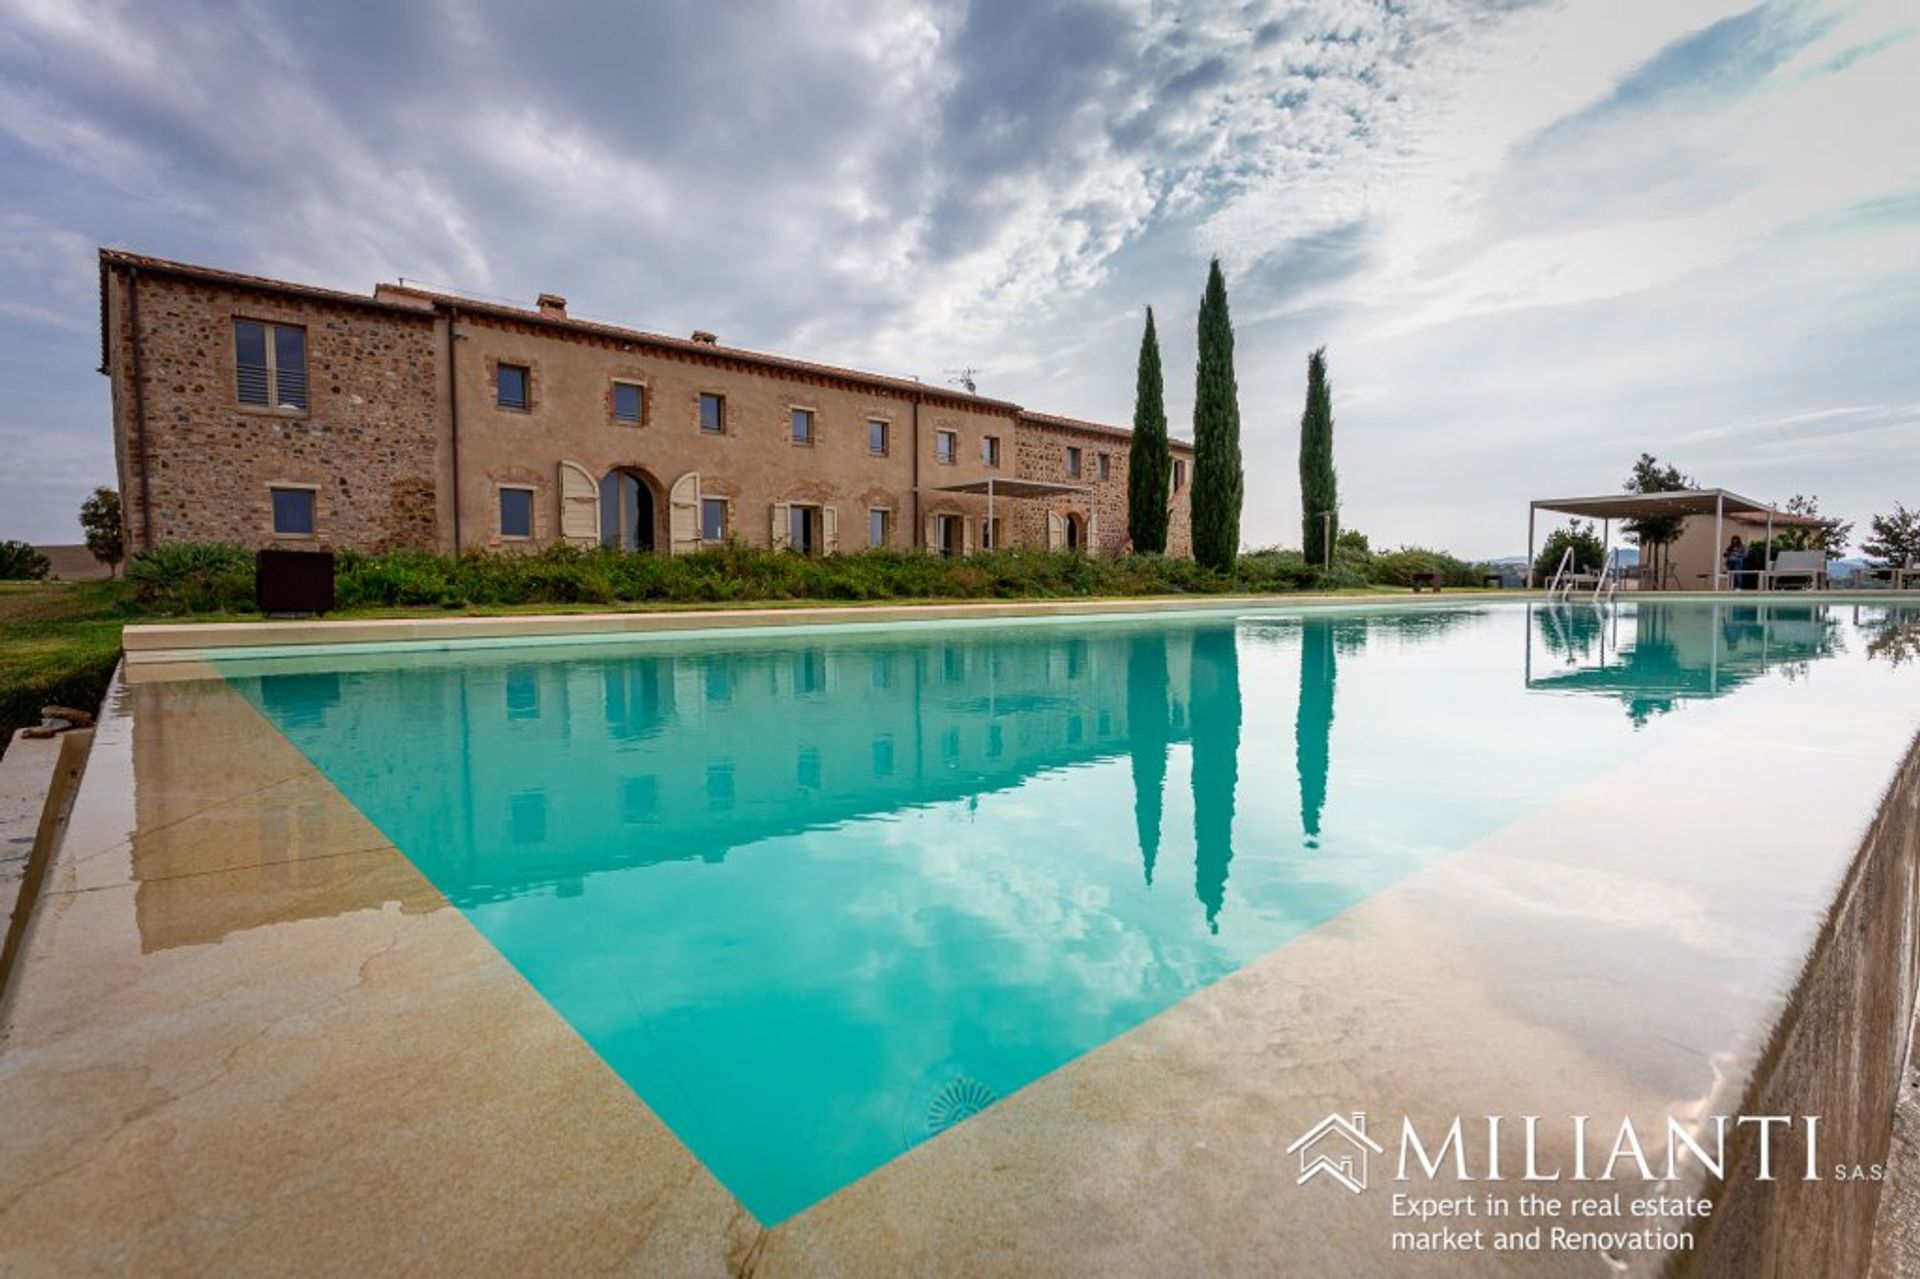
(626, 511)
(1076, 532)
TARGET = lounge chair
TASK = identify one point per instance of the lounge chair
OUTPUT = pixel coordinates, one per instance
(1807, 569)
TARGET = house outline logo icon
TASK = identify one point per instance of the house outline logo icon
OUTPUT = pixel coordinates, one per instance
(1336, 1146)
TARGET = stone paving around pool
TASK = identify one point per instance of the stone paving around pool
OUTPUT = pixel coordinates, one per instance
(249, 1037)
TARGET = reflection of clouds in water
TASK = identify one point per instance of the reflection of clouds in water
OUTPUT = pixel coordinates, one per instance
(1077, 827)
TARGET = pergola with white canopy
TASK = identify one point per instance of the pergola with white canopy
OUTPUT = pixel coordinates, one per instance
(1719, 503)
(1040, 489)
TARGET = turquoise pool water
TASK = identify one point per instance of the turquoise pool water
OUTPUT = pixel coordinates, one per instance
(818, 896)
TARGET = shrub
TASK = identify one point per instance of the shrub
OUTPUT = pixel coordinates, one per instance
(193, 577)
(212, 577)
(1401, 567)
(20, 562)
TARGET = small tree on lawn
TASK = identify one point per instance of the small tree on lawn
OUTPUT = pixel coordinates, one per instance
(1655, 533)
(1577, 536)
(1218, 481)
(1319, 489)
(1831, 537)
(1896, 538)
(106, 534)
(1150, 462)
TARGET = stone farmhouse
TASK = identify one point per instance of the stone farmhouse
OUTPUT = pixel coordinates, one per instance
(268, 413)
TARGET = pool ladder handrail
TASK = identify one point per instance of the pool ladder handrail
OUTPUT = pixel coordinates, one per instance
(1561, 574)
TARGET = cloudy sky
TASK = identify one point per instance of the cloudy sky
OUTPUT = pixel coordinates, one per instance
(1537, 238)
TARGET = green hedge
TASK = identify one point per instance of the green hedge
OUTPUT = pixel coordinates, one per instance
(216, 578)
(1401, 567)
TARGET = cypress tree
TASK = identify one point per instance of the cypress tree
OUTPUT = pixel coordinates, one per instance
(1319, 490)
(1218, 483)
(1150, 462)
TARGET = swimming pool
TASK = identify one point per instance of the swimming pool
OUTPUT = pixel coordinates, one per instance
(819, 895)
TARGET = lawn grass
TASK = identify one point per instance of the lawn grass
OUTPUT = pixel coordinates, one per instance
(58, 644)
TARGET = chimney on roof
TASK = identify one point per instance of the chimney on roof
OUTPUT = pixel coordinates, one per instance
(554, 305)
(705, 338)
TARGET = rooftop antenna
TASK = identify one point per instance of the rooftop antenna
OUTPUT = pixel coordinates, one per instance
(964, 377)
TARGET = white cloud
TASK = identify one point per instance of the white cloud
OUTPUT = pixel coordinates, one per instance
(1538, 237)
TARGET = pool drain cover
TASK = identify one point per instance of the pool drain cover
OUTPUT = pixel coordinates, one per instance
(944, 1098)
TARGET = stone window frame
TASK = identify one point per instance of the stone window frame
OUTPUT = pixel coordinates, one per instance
(886, 435)
(613, 403)
(500, 515)
(813, 425)
(727, 524)
(1075, 461)
(952, 457)
(1103, 465)
(269, 409)
(990, 452)
(298, 486)
(1179, 473)
(887, 523)
(494, 365)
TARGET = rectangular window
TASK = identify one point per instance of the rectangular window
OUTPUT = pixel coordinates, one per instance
(629, 402)
(1073, 463)
(990, 450)
(947, 530)
(803, 426)
(713, 519)
(990, 533)
(877, 438)
(1105, 464)
(876, 528)
(516, 512)
(510, 383)
(270, 364)
(945, 445)
(293, 512)
(801, 522)
(1179, 475)
(713, 413)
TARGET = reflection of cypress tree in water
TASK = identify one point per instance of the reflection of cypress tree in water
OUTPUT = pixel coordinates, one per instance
(1216, 763)
(1313, 725)
(1147, 733)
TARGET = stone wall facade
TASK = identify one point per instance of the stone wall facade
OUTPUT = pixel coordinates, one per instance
(405, 440)
(1098, 519)
(367, 443)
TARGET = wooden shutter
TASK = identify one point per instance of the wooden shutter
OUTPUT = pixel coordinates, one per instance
(683, 514)
(829, 529)
(782, 526)
(933, 535)
(966, 535)
(1056, 531)
(579, 506)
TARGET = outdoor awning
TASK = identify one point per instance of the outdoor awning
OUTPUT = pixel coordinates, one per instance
(1630, 506)
(1014, 488)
